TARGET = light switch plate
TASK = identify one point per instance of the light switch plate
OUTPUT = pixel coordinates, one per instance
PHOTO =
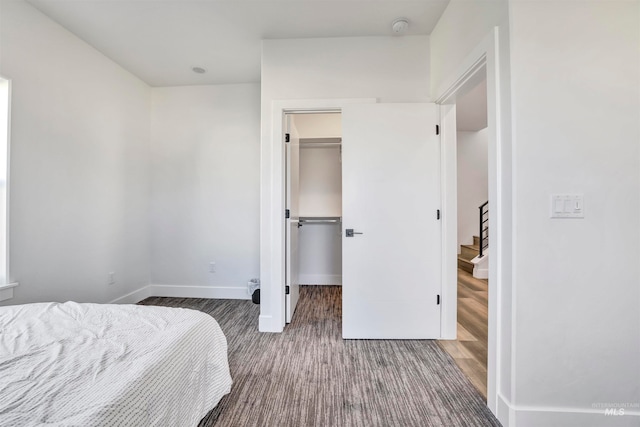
(567, 206)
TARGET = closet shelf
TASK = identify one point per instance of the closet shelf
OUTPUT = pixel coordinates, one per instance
(320, 219)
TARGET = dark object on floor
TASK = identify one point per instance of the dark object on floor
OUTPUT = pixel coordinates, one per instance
(255, 297)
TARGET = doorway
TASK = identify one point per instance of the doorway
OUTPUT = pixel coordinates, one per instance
(390, 263)
(469, 349)
(313, 203)
(484, 62)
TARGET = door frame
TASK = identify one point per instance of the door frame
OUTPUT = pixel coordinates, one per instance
(483, 61)
(272, 205)
(291, 192)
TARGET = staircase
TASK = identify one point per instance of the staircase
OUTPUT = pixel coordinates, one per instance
(468, 253)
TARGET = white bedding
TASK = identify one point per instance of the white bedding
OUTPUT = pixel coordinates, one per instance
(109, 365)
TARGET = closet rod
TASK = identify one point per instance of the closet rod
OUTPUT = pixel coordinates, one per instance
(320, 144)
(326, 140)
(320, 220)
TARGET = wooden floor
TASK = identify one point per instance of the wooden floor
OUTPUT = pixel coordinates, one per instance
(470, 349)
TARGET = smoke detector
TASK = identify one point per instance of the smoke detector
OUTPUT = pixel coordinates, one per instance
(400, 26)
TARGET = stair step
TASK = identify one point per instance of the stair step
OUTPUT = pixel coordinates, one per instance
(465, 265)
(476, 241)
(469, 252)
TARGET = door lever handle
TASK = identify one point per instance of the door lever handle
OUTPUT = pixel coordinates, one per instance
(350, 233)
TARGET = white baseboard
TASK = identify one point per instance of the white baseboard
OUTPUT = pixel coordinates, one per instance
(525, 416)
(6, 294)
(481, 267)
(133, 297)
(265, 324)
(176, 291)
(503, 411)
(6, 291)
(215, 292)
(320, 279)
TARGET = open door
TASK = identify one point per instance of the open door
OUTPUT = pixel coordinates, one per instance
(292, 287)
(391, 238)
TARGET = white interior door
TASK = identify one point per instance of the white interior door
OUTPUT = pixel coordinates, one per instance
(292, 261)
(390, 194)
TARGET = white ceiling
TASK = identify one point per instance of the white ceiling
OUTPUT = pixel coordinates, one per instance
(161, 40)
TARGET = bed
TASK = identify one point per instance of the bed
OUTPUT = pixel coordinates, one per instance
(71, 364)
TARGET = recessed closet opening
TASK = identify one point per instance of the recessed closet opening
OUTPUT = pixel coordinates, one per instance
(314, 203)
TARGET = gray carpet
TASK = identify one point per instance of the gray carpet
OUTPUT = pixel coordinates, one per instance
(310, 376)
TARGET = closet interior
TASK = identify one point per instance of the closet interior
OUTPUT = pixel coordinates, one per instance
(320, 198)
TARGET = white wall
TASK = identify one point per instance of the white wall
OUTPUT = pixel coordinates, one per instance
(465, 30)
(392, 69)
(473, 181)
(471, 109)
(320, 181)
(79, 164)
(320, 195)
(570, 331)
(320, 249)
(461, 27)
(576, 130)
(323, 125)
(205, 186)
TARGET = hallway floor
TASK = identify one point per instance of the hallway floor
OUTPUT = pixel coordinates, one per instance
(470, 349)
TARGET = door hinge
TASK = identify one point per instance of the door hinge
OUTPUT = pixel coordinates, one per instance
(287, 213)
(287, 137)
(286, 290)
(438, 214)
(437, 129)
(438, 300)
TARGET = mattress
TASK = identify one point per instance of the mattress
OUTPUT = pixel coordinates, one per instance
(70, 364)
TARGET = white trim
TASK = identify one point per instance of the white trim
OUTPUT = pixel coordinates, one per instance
(178, 291)
(7, 260)
(504, 411)
(482, 62)
(7, 218)
(6, 291)
(449, 178)
(272, 248)
(320, 279)
(265, 323)
(133, 297)
(481, 267)
(214, 292)
(8, 286)
(480, 273)
(496, 220)
(469, 73)
(547, 415)
(6, 294)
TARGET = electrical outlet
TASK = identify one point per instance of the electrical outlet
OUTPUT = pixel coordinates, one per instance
(212, 267)
(112, 278)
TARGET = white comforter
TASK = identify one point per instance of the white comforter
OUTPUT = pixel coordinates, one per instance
(109, 365)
